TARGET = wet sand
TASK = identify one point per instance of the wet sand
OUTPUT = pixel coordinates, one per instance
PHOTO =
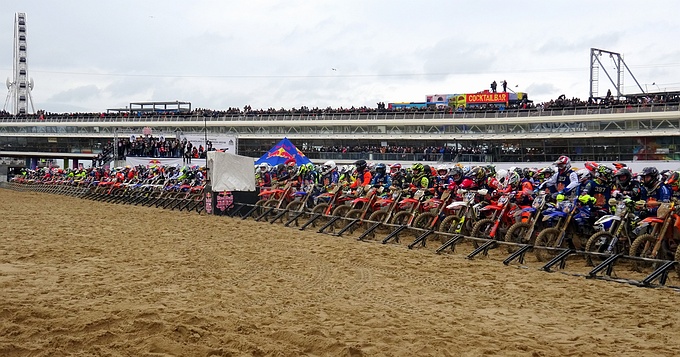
(83, 278)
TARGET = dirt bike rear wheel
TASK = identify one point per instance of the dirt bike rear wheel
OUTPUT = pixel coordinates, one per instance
(424, 221)
(447, 225)
(598, 243)
(481, 230)
(378, 217)
(642, 246)
(547, 238)
(517, 233)
(294, 207)
(260, 207)
(340, 211)
(401, 218)
(354, 214)
(320, 209)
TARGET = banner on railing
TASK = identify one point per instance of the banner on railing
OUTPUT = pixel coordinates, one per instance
(486, 98)
(219, 142)
(162, 161)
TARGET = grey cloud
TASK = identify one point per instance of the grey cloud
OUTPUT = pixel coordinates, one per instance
(78, 94)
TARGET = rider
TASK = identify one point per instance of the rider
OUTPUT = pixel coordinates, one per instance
(443, 181)
(523, 190)
(398, 176)
(653, 190)
(329, 174)
(419, 179)
(265, 177)
(626, 185)
(363, 176)
(565, 181)
(381, 177)
(599, 190)
(673, 182)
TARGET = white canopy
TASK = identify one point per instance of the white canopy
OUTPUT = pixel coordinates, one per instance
(229, 172)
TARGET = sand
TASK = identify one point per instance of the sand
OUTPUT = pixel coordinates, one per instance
(83, 278)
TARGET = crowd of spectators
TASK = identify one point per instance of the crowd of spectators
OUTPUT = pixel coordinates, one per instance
(562, 102)
(151, 146)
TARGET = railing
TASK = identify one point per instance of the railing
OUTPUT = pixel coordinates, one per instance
(386, 115)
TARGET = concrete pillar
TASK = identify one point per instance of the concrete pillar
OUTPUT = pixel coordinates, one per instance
(66, 162)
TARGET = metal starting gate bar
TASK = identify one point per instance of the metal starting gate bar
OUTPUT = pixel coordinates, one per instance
(347, 227)
(294, 218)
(268, 211)
(421, 239)
(279, 215)
(236, 209)
(311, 220)
(329, 223)
(607, 265)
(369, 230)
(394, 234)
(660, 273)
(559, 259)
(518, 254)
(450, 243)
(483, 248)
(249, 213)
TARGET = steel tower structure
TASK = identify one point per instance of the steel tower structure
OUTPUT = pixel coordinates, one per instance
(620, 66)
(20, 86)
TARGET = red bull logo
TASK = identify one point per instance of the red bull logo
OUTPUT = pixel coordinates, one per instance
(280, 152)
(154, 162)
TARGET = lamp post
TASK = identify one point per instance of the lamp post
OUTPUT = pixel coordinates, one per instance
(205, 138)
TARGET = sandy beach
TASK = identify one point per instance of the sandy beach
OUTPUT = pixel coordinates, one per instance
(84, 278)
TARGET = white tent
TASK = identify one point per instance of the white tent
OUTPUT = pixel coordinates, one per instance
(229, 172)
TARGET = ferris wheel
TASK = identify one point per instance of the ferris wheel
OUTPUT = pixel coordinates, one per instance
(20, 85)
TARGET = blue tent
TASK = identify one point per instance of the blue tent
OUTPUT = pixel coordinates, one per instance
(282, 152)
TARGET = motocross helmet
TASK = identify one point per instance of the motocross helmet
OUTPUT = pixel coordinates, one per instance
(328, 167)
(457, 174)
(623, 176)
(501, 176)
(380, 168)
(583, 175)
(650, 176)
(512, 179)
(477, 174)
(563, 163)
(674, 180)
(604, 174)
(361, 165)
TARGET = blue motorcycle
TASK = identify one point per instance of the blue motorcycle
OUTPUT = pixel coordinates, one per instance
(570, 227)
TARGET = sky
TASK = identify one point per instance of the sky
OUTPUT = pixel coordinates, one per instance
(89, 56)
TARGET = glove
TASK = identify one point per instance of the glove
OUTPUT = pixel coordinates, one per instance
(586, 199)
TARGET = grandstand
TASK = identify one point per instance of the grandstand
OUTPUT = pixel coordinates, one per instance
(643, 127)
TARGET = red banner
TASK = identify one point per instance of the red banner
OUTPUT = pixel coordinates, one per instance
(487, 98)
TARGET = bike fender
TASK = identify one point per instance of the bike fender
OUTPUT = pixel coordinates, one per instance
(552, 215)
(653, 220)
(457, 204)
(491, 207)
(608, 218)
